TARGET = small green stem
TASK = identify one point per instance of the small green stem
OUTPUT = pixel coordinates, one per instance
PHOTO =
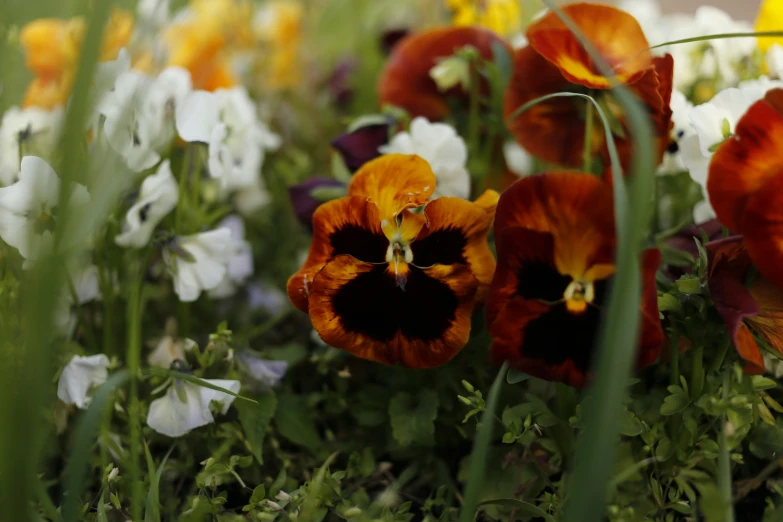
(718, 361)
(474, 120)
(674, 363)
(183, 319)
(697, 372)
(133, 361)
(587, 153)
(183, 196)
(724, 462)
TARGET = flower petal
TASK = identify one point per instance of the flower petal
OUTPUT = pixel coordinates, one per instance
(394, 182)
(744, 163)
(615, 34)
(197, 115)
(171, 416)
(79, 375)
(575, 208)
(361, 308)
(456, 233)
(360, 146)
(405, 80)
(346, 226)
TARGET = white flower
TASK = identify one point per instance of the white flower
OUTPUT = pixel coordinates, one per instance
(31, 131)
(104, 81)
(198, 262)
(251, 199)
(186, 406)
(158, 196)
(28, 207)
(774, 60)
(444, 150)
(773, 365)
(517, 159)
(240, 259)
(227, 121)
(153, 13)
(82, 287)
(129, 131)
(139, 114)
(720, 60)
(168, 350)
(266, 373)
(682, 128)
(79, 376)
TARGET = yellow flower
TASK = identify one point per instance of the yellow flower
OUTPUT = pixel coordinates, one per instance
(279, 31)
(770, 18)
(52, 47)
(205, 42)
(504, 17)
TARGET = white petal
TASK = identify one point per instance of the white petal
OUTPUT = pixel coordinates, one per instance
(169, 350)
(774, 60)
(197, 115)
(703, 212)
(210, 251)
(79, 375)
(220, 158)
(86, 283)
(158, 196)
(517, 159)
(250, 200)
(172, 417)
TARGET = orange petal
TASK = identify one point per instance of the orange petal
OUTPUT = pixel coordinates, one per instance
(762, 223)
(405, 80)
(749, 350)
(394, 182)
(575, 208)
(359, 307)
(654, 91)
(456, 233)
(769, 321)
(348, 226)
(744, 163)
(51, 46)
(615, 34)
(553, 130)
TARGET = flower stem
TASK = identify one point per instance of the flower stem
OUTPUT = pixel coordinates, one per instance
(697, 372)
(674, 363)
(133, 358)
(718, 361)
(724, 463)
(473, 121)
(587, 152)
(183, 178)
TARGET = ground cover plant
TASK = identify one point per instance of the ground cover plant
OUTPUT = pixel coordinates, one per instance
(403, 260)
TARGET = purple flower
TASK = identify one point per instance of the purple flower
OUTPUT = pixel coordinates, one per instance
(266, 373)
(339, 83)
(360, 146)
(304, 202)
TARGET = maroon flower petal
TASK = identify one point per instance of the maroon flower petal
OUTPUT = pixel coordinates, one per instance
(360, 146)
(303, 201)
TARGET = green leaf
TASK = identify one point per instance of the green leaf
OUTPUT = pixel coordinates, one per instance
(763, 383)
(676, 402)
(515, 377)
(259, 494)
(521, 507)
(664, 449)
(478, 457)
(632, 426)
(413, 418)
(294, 421)
(255, 421)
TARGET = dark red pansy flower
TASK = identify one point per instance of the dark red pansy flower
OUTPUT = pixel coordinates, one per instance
(555, 238)
(405, 81)
(746, 302)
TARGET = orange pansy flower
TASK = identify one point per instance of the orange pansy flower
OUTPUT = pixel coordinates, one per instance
(555, 240)
(556, 62)
(405, 80)
(746, 304)
(391, 285)
(745, 184)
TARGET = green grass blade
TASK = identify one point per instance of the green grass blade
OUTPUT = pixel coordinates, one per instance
(719, 36)
(165, 372)
(478, 457)
(618, 336)
(82, 441)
